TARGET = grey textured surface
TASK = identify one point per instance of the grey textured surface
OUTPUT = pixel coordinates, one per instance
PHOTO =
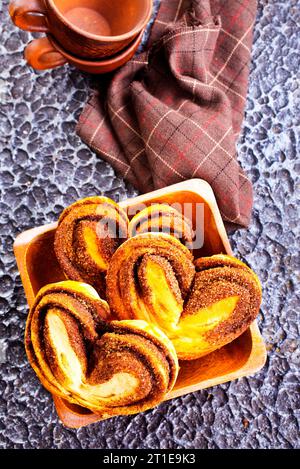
(44, 167)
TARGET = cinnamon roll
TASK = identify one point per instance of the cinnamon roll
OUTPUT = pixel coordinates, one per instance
(152, 277)
(148, 278)
(162, 218)
(88, 233)
(112, 368)
(224, 301)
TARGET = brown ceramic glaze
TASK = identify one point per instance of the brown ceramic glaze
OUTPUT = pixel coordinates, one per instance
(45, 53)
(244, 356)
(85, 28)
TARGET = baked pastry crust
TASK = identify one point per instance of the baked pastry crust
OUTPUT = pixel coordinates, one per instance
(224, 301)
(201, 306)
(150, 274)
(112, 368)
(88, 233)
(162, 218)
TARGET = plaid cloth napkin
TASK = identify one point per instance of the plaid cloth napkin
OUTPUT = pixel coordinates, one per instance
(175, 111)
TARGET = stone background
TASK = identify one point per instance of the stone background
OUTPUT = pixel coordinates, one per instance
(44, 167)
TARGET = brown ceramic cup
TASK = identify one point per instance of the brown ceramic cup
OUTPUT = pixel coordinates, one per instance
(86, 28)
(45, 53)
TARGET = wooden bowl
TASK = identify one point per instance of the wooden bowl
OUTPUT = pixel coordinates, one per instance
(244, 356)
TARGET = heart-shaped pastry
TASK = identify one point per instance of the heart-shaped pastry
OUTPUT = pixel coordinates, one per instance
(88, 233)
(200, 307)
(112, 368)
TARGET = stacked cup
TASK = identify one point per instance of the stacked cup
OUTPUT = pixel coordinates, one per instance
(96, 36)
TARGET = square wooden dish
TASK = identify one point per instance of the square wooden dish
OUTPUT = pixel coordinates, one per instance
(244, 356)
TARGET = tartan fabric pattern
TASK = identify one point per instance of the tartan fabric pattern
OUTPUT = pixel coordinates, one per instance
(175, 111)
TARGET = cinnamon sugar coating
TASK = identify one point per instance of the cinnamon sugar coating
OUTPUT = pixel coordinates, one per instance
(111, 368)
(201, 306)
(162, 218)
(89, 232)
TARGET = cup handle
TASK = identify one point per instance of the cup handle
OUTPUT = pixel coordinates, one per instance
(40, 54)
(30, 15)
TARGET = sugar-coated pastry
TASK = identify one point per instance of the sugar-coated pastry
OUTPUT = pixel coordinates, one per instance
(88, 233)
(149, 277)
(162, 218)
(224, 301)
(200, 307)
(112, 368)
